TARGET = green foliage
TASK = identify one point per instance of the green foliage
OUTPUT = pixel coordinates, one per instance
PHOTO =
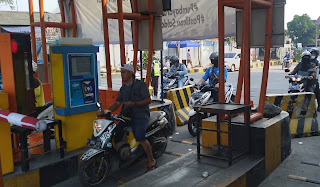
(145, 55)
(8, 2)
(302, 30)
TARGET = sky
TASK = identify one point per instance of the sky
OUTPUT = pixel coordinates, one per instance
(293, 7)
(23, 5)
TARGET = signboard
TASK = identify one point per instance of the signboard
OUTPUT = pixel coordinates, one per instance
(187, 20)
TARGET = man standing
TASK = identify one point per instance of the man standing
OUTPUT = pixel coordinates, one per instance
(155, 74)
(135, 97)
(189, 58)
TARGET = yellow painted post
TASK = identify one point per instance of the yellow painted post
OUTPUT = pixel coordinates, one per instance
(5, 138)
(1, 180)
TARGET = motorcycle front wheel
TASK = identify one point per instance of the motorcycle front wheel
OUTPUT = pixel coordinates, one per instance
(89, 172)
(159, 146)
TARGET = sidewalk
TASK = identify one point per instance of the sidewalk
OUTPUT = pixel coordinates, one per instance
(303, 150)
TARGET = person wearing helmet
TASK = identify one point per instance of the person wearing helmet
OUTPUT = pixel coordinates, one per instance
(38, 89)
(212, 73)
(304, 66)
(314, 59)
(314, 55)
(178, 69)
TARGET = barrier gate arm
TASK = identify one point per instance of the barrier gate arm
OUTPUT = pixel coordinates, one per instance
(24, 121)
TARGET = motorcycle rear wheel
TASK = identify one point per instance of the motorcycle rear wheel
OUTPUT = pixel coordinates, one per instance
(192, 126)
(89, 174)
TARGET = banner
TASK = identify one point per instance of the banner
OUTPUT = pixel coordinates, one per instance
(187, 20)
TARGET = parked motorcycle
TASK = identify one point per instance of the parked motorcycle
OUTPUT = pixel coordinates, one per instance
(203, 96)
(104, 157)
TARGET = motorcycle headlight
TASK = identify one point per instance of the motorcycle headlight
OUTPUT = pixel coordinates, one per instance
(298, 79)
(97, 126)
(293, 79)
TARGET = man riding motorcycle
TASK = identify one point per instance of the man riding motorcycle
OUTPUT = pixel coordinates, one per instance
(303, 67)
(314, 55)
(135, 97)
(177, 69)
(212, 73)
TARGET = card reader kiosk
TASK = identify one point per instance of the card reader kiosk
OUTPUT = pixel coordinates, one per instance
(80, 78)
(74, 91)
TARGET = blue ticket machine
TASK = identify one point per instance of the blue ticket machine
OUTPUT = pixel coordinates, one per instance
(74, 91)
(80, 79)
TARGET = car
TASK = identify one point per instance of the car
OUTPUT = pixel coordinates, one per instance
(232, 61)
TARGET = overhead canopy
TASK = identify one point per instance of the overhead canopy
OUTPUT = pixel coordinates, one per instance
(188, 20)
(183, 44)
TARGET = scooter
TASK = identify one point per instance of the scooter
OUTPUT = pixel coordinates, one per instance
(203, 96)
(104, 157)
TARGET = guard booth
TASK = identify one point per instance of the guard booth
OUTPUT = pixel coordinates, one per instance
(75, 89)
(17, 94)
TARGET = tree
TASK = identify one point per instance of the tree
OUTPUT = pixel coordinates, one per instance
(8, 2)
(302, 30)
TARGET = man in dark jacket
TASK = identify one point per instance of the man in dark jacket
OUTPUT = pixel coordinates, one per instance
(135, 97)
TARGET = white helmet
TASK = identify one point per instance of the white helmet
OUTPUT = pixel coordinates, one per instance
(34, 66)
(306, 53)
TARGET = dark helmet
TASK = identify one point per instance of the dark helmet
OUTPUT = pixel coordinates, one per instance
(314, 50)
(174, 59)
(214, 57)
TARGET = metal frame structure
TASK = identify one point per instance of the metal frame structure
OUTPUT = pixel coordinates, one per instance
(135, 16)
(43, 25)
(244, 72)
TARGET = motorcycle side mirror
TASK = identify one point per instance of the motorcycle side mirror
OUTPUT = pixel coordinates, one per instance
(191, 79)
(287, 70)
(98, 105)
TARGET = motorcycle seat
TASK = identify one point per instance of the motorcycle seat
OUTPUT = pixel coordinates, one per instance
(154, 116)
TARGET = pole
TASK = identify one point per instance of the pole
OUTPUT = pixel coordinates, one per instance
(63, 20)
(150, 9)
(33, 36)
(221, 50)
(121, 32)
(265, 74)
(161, 59)
(43, 41)
(141, 65)
(246, 55)
(106, 42)
(136, 37)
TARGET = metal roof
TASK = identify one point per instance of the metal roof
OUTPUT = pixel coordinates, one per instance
(23, 18)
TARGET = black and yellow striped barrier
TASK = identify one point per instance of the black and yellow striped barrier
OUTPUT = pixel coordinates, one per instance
(180, 99)
(197, 70)
(302, 110)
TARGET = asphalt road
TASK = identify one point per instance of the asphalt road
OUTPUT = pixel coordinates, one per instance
(276, 84)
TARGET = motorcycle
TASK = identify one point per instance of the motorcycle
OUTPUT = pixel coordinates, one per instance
(172, 83)
(104, 157)
(298, 82)
(286, 62)
(203, 96)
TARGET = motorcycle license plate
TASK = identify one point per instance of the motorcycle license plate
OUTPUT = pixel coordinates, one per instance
(90, 153)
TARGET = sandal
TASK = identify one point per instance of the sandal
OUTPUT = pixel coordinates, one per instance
(151, 168)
